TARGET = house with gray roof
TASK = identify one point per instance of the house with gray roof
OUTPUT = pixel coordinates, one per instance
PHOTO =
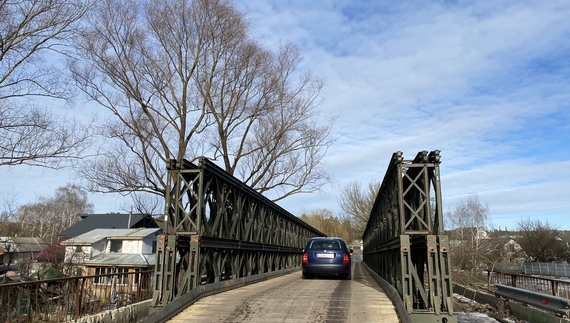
(127, 252)
(90, 222)
(104, 251)
(20, 250)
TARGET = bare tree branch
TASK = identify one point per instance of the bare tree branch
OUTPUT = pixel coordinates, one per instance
(32, 32)
(184, 79)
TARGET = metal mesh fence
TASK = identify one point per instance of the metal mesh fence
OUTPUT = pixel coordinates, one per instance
(546, 269)
(65, 299)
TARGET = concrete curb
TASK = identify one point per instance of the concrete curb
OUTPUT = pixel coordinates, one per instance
(126, 314)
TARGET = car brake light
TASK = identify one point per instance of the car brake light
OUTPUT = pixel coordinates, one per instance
(305, 258)
(345, 259)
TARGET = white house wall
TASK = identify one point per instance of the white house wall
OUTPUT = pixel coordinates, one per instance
(132, 246)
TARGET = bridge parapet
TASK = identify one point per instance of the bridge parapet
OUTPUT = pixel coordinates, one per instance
(218, 228)
(404, 241)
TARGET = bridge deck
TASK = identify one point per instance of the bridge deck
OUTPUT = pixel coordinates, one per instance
(292, 299)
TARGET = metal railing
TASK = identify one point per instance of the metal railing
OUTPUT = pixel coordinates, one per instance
(558, 305)
(554, 287)
(65, 299)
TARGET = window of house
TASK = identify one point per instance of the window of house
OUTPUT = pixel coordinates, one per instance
(122, 279)
(102, 271)
(108, 280)
(116, 245)
(154, 246)
(78, 249)
(102, 246)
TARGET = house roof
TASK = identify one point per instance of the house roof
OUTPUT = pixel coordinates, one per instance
(497, 243)
(53, 252)
(123, 259)
(100, 234)
(107, 221)
(23, 244)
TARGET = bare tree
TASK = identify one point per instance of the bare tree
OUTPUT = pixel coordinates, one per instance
(357, 203)
(185, 79)
(325, 221)
(541, 241)
(47, 217)
(468, 222)
(31, 35)
(8, 225)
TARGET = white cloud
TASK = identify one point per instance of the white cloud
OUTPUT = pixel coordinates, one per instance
(485, 82)
(460, 78)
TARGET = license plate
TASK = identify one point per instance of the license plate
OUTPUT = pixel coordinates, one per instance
(325, 255)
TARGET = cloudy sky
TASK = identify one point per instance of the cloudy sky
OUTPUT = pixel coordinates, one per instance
(485, 82)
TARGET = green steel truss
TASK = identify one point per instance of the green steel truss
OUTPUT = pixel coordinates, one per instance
(217, 228)
(404, 241)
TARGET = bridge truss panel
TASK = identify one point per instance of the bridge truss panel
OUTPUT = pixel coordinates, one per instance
(404, 241)
(217, 228)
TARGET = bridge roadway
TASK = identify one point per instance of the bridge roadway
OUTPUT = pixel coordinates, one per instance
(290, 299)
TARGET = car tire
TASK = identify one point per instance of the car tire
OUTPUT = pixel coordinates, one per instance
(348, 276)
(306, 276)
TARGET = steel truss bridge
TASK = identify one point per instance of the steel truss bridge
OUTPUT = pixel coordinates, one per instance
(404, 241)
(216, 228)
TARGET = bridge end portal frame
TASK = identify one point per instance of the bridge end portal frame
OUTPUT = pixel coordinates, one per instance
(217, 228)
(404, 241)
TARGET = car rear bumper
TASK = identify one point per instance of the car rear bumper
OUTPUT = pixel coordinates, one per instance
(326, 269)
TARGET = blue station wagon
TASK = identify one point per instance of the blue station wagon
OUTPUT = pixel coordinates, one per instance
(326, 256)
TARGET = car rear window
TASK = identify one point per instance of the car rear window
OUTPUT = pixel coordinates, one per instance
(325, 244)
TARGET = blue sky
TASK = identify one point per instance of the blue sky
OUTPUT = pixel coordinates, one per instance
(485, 82)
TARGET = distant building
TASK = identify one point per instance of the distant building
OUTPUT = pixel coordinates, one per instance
(504, 250)
(114, 251)
(356, 246)
(20, 250)
(102, 251)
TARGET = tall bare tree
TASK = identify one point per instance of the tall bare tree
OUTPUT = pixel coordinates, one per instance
(184, 79)
(32, 33)
(357, 203)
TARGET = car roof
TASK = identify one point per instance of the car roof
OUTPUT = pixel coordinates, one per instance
(326, 238)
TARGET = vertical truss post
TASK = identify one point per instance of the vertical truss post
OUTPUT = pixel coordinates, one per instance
(406, 267)
(445, 270)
